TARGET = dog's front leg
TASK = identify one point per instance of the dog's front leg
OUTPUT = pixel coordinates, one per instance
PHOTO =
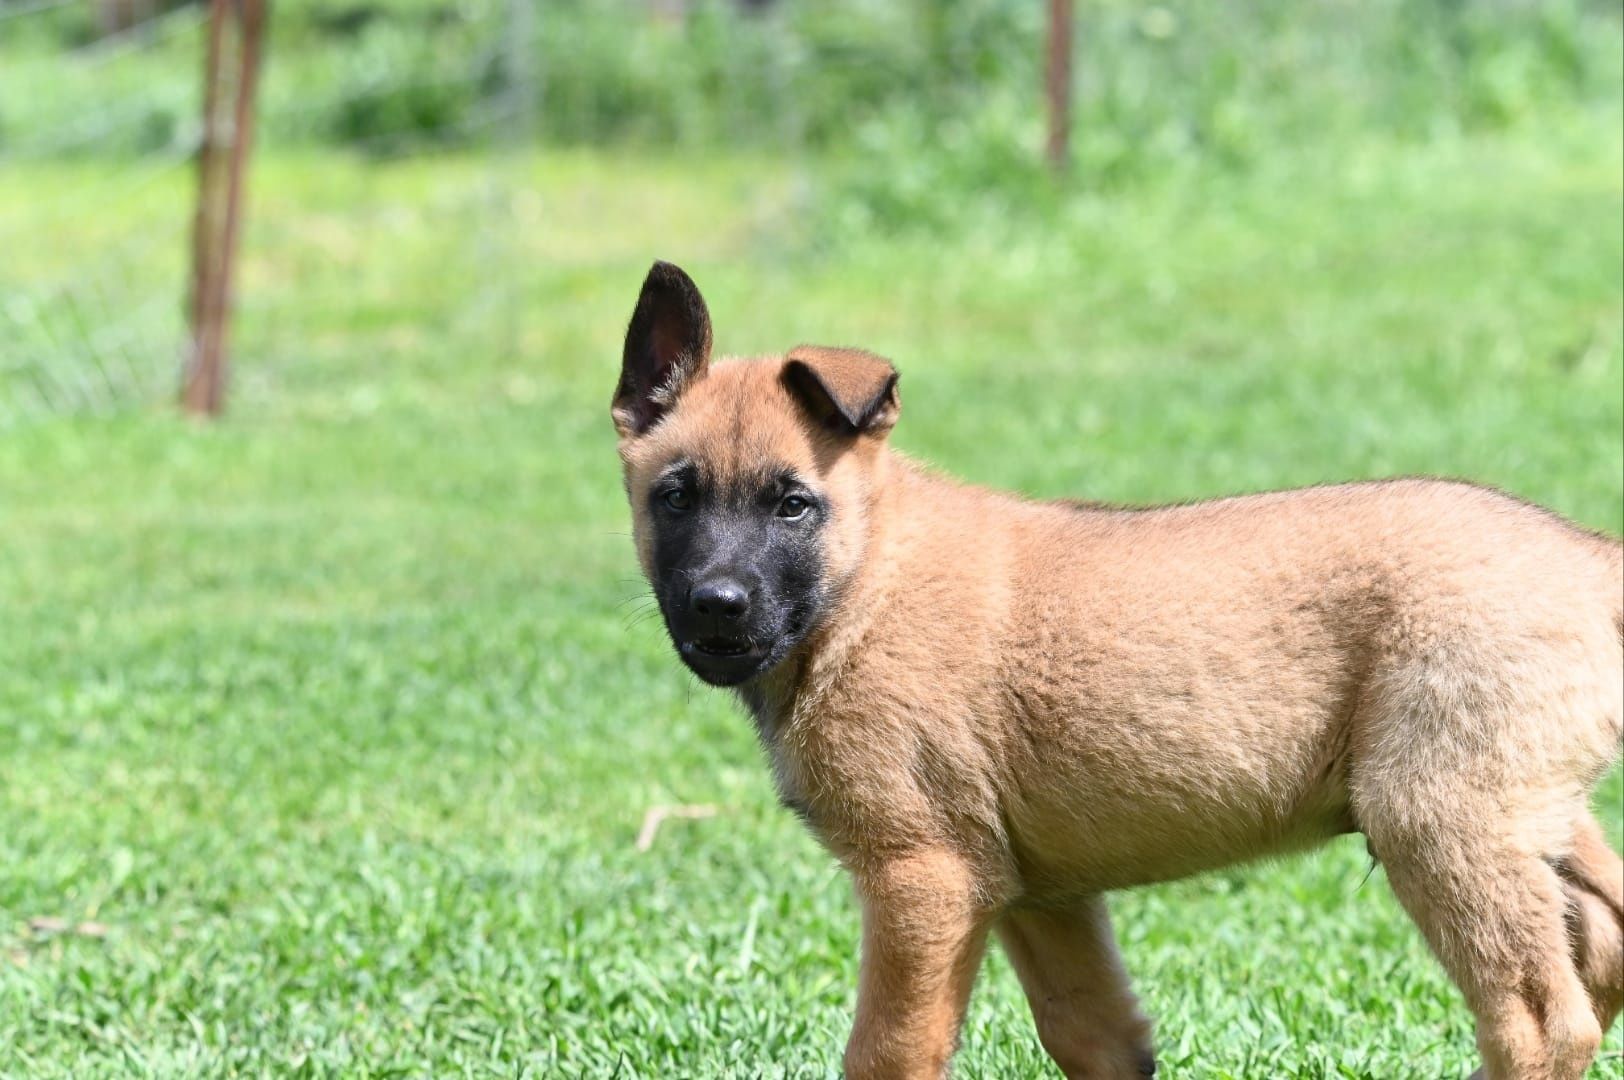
(923, 936)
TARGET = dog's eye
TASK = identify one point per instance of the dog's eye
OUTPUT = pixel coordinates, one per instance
(677, 499)
(793, 507)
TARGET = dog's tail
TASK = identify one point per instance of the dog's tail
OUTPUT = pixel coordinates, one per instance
(1593, 881)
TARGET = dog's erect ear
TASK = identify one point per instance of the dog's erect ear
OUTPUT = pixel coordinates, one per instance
(846, 390)
(668, 346)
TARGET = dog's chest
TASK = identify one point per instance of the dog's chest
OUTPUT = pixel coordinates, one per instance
(864, 783)
(795, 789)
(785, 755)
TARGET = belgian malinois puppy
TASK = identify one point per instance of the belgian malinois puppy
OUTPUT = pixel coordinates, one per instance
(994, 711)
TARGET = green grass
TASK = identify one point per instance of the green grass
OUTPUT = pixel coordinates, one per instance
(334, 714)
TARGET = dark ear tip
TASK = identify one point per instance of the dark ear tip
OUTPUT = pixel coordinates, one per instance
(665, 273)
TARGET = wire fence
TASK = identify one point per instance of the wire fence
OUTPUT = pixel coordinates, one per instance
(100, 127)
(98, 140)
(90, 247)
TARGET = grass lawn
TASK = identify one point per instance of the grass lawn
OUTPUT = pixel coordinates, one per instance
(341, 715)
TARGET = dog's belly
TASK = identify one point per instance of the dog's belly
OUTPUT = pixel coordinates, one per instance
(1126, 793)
(1067, 847)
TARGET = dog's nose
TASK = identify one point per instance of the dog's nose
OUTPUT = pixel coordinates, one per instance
(722, 599)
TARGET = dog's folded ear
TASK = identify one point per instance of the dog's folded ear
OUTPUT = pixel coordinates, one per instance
(668, 345)
(846, 390)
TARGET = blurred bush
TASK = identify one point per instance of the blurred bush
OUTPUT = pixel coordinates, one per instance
(927, 101)
(1165, 79)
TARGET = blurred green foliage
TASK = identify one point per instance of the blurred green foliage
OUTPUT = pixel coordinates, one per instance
(934, 107)
(947, 90)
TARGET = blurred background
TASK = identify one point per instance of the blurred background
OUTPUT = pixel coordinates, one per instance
(328, 725)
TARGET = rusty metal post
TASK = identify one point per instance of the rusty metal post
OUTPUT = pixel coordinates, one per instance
(222, 168)
(1059, 83)
(199, 371)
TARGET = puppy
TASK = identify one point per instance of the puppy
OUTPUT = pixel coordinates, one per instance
(994, 711)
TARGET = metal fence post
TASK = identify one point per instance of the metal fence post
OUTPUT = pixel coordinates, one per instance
(221, 177)
(1059, 83)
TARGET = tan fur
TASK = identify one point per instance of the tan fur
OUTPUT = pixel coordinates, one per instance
(1017, 706)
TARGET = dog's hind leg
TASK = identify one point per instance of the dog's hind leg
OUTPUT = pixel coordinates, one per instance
(1593, 879)
(1495, 913)
(1087, 1017)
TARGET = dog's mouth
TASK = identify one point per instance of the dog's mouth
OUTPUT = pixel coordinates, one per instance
(723, 661)
(721, 648)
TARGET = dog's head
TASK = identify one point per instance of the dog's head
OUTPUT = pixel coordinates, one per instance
(751, 482)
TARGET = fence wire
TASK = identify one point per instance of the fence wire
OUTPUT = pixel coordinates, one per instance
(93, 207)
(98, 137)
